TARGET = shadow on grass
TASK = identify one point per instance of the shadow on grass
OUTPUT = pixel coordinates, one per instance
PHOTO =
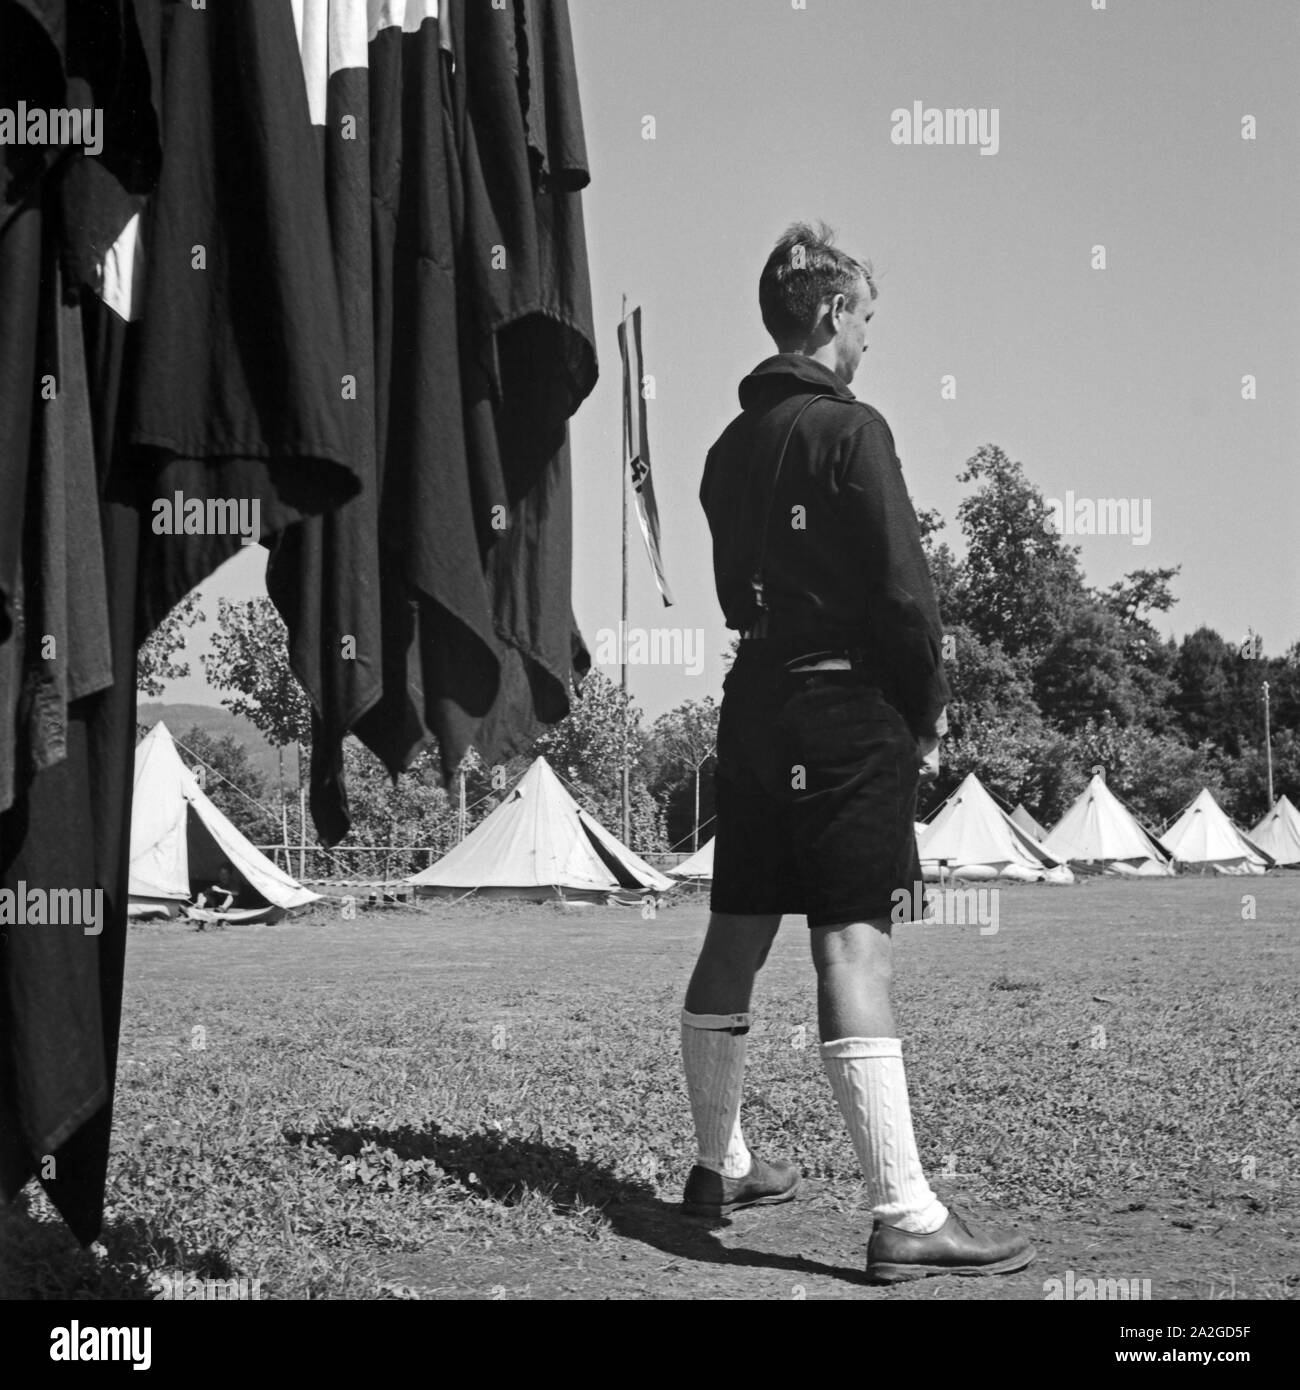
(41, 1259)
(508, 1169)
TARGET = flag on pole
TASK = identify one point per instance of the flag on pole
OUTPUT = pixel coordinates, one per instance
(636, 444)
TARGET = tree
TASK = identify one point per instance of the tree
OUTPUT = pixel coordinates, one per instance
(231, 782)
(1017, 759)
(411, 810)
(1204, 675)
(250, 657)
(587, 744)
(986, 683)
(1140, 593)
(1283, 675)
(586, 749)
(1149, 658)
(155, 661)
(1084, 671)
(1018, 578)
(945, 569)
(679, 755)
(1156, 774)
(1245, 778)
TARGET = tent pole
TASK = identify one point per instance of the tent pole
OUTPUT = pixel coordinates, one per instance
(627, 808)
(1268, 752)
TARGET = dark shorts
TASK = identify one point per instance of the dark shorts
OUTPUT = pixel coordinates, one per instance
(816, 783)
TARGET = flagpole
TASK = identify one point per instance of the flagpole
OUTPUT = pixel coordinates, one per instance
(622, 631)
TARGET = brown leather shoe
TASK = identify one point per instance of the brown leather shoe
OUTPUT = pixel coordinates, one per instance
(765, 1185)
(957, 1247)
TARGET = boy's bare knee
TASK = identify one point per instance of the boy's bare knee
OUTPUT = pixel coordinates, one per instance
(740, 941)
(876, 969)
(853, 941)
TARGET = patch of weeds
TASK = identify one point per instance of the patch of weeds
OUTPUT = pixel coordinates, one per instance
(1010, 982)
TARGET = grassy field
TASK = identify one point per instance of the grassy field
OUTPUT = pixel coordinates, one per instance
(486, 1101)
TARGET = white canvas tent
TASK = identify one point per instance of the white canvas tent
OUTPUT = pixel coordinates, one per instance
(179, 840)
(698, 868)
(979, 840)
(1278, 834)
(1027, 823)
(1203, 838)
(539, 844)
(1100, 833)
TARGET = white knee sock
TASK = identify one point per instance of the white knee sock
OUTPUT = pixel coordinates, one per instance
(867, 1077)
(714, 1060)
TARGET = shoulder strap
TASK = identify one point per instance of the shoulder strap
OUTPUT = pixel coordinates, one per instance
(760, 550)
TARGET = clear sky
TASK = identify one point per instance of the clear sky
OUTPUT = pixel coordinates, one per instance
(1118, 127)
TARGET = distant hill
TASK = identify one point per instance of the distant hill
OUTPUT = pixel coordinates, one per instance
(217, 723)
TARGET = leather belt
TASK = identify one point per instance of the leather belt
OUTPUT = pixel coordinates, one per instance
(820, 661)
(810, 659)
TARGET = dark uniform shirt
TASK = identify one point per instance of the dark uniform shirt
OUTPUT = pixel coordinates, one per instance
(843, 564)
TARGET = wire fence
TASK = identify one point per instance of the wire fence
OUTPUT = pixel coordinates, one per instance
(369, 863)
